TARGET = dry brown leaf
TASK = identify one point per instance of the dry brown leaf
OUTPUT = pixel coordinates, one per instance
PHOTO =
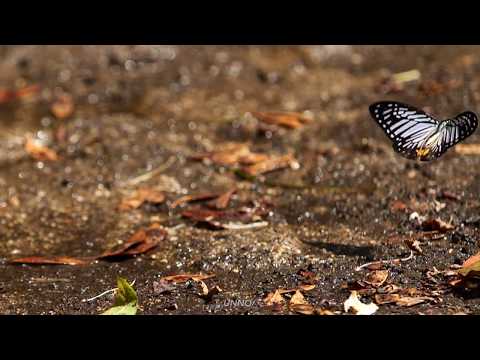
(319, 311)
(359, 308)
(468, 149)
(252, 158)
(297, 299)
(471, 267)
(398, 206)
(414, 245)
(229, 155)
(388, 289)
(298, 304)
(400, 300)
(290, 120)
(471, 260)
(207, 294)
(306, 287)
(308, 275)
(181, 278)
(408, 301)
(274, 298)
(141, 196)
(14, 201)
(271, 164)
(449, 196)
(222, 219)
(63, 107)
(376, 278)
(376, 265)
(192, 198)
(10, 95)
(305, 309)
(56, 260)
(437, 225)
(39, 152)
(381, 299)
(140, 242)
(221, 202)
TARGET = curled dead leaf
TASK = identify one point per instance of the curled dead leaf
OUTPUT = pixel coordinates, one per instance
(437, 225)
(192, 198)
(228, 219)
(414, 245)
(304, 309)
(449, 196)
(291, 120)
(471, 260)
(297, 299)
(140, 242)
(319, 311)
(221, 202)
(274, 298)
(382, 299)
(142, 196)
(376, 278)
(398, 206)
(230, 154)
(63, 107)
(39, 152)
(271, 164)
(207, 294)
(471, 267)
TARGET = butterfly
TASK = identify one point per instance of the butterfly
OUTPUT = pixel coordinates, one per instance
(417, 135)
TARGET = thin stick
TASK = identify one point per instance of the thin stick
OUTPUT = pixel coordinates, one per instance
(104, 293)
(409, 257)
(255, 225)
(152, 173)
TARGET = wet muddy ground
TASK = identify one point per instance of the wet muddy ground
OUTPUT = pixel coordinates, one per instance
(141, 112)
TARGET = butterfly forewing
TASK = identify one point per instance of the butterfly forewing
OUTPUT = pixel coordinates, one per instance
(407, 127)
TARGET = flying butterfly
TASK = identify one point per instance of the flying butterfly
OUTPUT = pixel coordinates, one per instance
(417, 135)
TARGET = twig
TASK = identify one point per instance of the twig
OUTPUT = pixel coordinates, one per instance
(152, 173)
(104, 293)
(409, 257)
(255, 225)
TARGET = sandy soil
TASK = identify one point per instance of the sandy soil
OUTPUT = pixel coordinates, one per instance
(146, 109)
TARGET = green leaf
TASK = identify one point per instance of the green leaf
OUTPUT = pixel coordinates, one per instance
(472, 270)
(125, 293)
(129, 309)
(125, 299)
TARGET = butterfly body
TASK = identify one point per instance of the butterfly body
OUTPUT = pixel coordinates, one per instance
(417, 135)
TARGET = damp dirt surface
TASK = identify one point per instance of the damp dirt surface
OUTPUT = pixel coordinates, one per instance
(141, 112)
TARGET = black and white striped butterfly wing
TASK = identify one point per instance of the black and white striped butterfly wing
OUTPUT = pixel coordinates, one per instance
(407, 127)
(459, 128)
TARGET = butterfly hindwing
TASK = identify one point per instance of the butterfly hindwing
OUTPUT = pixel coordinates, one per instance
(459, 128)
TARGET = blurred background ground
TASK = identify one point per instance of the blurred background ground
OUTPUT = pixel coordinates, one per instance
(139, 110)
